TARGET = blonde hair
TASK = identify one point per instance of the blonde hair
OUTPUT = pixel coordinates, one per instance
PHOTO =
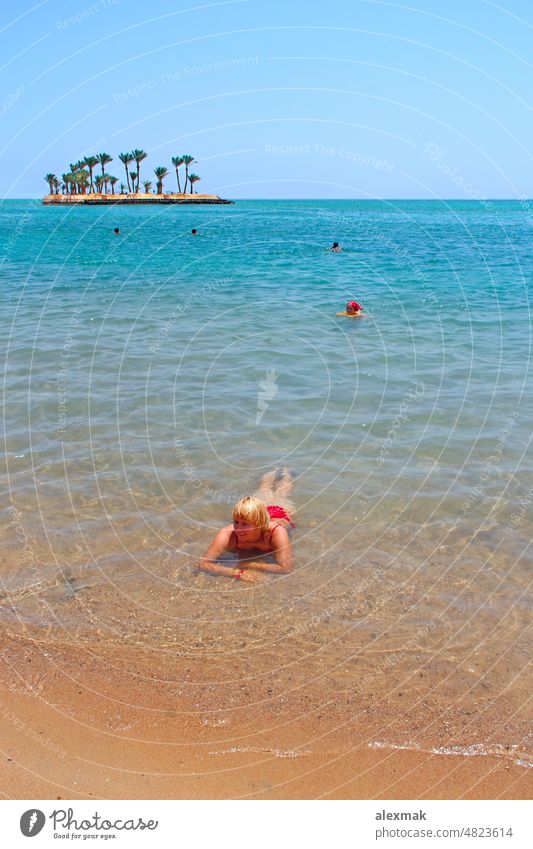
(252, 511)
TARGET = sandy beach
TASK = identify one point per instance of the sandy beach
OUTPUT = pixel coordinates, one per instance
(83, 723)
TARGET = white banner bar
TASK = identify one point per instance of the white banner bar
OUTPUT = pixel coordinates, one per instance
(268, 825)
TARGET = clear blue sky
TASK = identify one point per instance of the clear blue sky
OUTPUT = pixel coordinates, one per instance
(347, 98)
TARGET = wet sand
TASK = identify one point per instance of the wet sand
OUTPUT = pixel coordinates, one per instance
(91, 721)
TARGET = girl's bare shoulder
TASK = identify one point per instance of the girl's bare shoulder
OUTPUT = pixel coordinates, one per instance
(278, 531)
(224, 534)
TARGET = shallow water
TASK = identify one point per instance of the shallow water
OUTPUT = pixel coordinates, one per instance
(152, 378)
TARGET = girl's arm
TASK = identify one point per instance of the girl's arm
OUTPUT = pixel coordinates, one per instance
(282, 554)
(219, 544)
(207, 562)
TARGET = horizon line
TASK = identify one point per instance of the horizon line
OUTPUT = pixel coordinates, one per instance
(360, 200)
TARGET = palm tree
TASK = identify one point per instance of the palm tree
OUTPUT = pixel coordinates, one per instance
(187, 161)
(134, 188)
(160, 172)
(177, 161)
(113, 180)
(103, 159)
(73, 172)
(82, 178)
(98, 182)
(90, 162)
(122, 187)
(193, 178)
(56, 185)
(50, 178)
(77, 179)
(126, 158)
(68, 180)
(147, 186)
(138, 156)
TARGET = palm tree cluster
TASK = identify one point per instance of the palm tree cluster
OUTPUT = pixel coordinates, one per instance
(80, 179)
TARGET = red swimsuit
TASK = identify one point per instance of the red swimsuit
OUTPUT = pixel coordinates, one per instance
(274, 513)
(236, 543)
(279, 513)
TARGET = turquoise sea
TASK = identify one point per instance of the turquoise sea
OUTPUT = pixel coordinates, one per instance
(153, 377)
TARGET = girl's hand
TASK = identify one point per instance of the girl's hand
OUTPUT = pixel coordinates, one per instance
(252, 577)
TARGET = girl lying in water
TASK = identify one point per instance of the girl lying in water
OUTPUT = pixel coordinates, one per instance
(256, 527)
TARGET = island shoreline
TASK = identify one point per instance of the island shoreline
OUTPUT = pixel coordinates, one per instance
(132, 200)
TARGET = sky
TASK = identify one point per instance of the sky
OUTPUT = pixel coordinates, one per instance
(339, 99)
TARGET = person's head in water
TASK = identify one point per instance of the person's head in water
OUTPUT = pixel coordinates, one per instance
(116, 230)
(194, 231)
(336, 248)
(353, 308)
(250, 518)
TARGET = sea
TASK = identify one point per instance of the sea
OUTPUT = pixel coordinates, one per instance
(152, 377)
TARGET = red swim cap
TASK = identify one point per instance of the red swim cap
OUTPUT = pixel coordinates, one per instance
(355, 305)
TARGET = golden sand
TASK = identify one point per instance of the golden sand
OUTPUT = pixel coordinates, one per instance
(80, 722)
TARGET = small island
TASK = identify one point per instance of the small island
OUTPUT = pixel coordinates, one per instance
(80, 186)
